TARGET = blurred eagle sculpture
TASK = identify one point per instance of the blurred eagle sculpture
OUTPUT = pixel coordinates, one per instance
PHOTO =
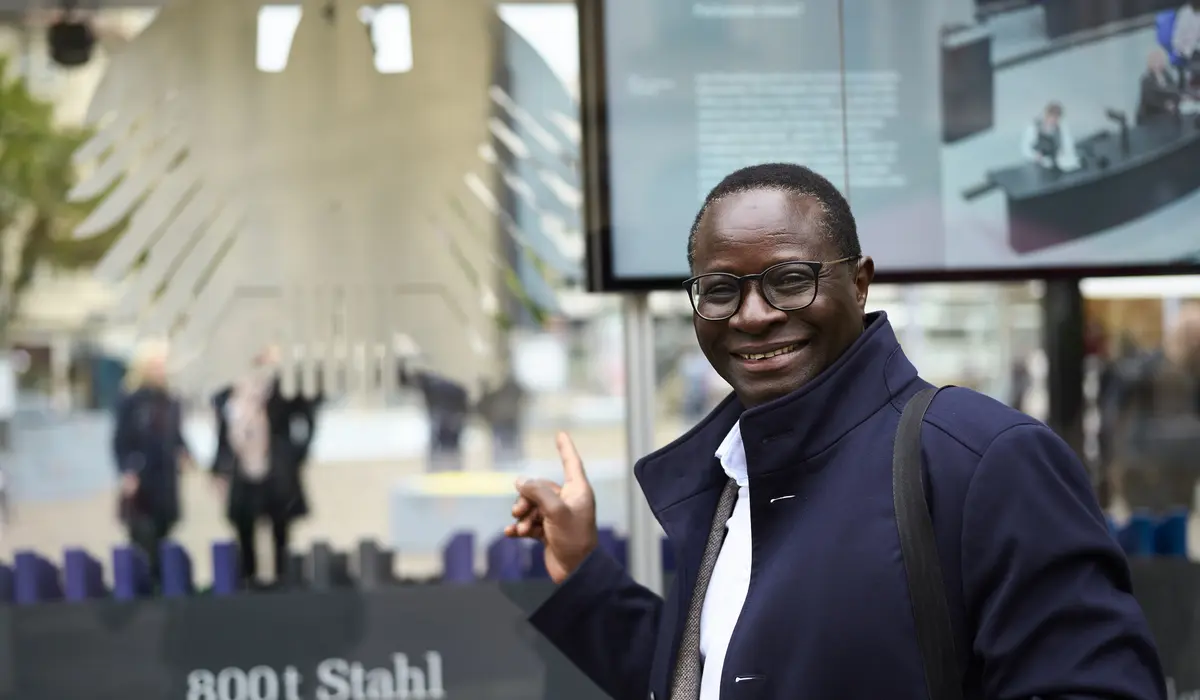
(329, 207)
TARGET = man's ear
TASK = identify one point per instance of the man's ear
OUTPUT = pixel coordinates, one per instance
(863, 276)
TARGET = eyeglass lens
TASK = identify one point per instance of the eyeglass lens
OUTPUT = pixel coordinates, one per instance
(786, 287)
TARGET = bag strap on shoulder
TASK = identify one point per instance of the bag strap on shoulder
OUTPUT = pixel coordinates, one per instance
(926, 587)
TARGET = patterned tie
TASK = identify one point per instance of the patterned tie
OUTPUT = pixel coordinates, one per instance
(686, 681)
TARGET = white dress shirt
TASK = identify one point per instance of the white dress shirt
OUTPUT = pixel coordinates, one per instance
(731, 576)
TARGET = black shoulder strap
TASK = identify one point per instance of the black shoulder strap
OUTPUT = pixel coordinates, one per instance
(926, 587)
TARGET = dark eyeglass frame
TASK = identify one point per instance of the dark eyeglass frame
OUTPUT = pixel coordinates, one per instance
(741, 280)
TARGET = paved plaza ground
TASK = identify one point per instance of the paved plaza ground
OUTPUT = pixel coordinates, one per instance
(349, 500)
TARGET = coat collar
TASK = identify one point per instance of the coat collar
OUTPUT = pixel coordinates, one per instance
(785, 432)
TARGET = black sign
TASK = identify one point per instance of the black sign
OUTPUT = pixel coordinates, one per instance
(407, 643)
(419, 643)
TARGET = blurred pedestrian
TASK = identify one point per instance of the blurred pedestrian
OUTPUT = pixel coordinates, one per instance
(263, 442)
(503, 408)
(447, 404)
(149, 450)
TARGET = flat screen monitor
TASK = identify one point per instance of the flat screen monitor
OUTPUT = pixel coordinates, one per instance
(976, 149)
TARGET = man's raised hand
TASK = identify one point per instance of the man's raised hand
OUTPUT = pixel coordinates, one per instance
(562, 517)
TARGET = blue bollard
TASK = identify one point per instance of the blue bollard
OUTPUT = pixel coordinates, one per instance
(35, 580)
(505, 559)
(1171, 535)
(83, 576)
(1137, 537)
(25, 579)
(535, 564)
(131, 573)
(458, 558)
(176, 571)
(226, 568)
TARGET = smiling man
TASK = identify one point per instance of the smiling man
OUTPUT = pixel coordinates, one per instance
(779, 504)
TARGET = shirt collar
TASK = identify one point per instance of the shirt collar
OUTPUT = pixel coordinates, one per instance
(732, 454)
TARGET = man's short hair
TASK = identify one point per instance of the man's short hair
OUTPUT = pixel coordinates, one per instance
(1054, 109)
(836, 220)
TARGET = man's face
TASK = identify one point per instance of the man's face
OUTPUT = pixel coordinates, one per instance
(1050, 120)
(745, 234)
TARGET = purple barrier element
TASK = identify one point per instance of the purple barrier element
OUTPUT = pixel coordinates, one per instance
(176, 570)
(668, 557)
(1170, 535)
(1137, 538)
(458, 558)
(25, 579)
(7, 583)
(226, 568)
(35, 580)
(131, 573)
(505, 559)
(83, 577)
(535, 565)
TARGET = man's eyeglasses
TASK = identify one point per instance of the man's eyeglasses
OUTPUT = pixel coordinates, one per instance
(787, 286)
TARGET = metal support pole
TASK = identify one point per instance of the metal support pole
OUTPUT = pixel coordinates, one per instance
(645, 553)
(1062, 338)
(1001, 387)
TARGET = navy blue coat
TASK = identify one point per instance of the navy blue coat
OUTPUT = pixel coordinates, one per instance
(148, 441)
(1039, 590)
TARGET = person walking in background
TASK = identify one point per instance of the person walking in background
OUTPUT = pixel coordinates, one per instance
(502, 407)
(149, 450)
(263, 442)
(447, 405)
(1154, 407)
